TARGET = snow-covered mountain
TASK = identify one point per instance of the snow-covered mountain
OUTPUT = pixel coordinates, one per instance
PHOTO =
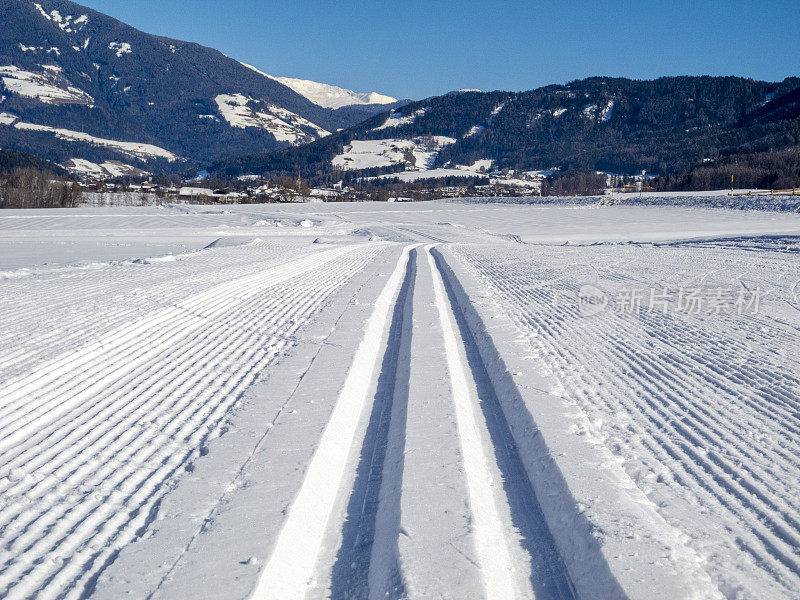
(77, 84)
(605, 124)
(331, 96)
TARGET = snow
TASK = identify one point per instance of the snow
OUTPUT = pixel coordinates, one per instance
(120, 48)
(300, 541)
(367, 154)
(7, 118)
(484, 164)
(68, 23)
(195, 402)
(591, 111)
(396, 120)
(85, 167)
(428, 174)
(286, 126)
(606, 113)
(328, 96)
(479, 167)
(490, 541)
(105, 170)
(475, 129)
(49, 87)
(195, 191)
(133, 149)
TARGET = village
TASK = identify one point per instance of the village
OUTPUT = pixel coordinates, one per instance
(252, 189)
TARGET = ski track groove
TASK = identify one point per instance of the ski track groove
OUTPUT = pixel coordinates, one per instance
(490, 540)
(95, 474)
(290, 567)
(373, 521)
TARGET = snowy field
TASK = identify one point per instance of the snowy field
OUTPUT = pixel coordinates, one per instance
(433, 400)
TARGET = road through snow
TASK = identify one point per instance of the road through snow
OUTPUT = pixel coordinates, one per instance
(376, 401)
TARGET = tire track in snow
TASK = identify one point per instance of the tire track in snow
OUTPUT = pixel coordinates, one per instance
(106, 459)
(291, 565)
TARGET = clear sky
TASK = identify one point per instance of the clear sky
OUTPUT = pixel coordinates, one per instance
(415, 49)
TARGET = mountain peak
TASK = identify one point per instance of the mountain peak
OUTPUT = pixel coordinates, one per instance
(326, 95)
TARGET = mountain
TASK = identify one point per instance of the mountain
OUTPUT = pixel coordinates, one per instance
(329, 96)
(13, 159)
(608, 124)
(77, 84)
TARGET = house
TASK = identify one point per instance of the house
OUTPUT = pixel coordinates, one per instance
(194, 193)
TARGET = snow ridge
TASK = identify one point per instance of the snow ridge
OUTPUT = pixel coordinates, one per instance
(328, 96)
(145, 396)
(133, 149)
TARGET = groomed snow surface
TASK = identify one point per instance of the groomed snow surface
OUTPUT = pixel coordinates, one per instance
(432, 400)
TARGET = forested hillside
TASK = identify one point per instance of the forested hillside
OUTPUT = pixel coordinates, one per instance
(11, 160)
(664, 126)
(75, 83)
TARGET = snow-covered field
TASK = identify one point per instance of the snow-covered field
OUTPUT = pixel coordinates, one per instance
(438, 400)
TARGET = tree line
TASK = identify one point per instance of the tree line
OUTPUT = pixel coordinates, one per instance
(775, 170)
(29, 187)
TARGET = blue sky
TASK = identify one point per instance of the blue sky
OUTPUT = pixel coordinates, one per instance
(414, 49)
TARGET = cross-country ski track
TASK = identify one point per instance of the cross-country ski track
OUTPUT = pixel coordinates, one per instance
(394, 403)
